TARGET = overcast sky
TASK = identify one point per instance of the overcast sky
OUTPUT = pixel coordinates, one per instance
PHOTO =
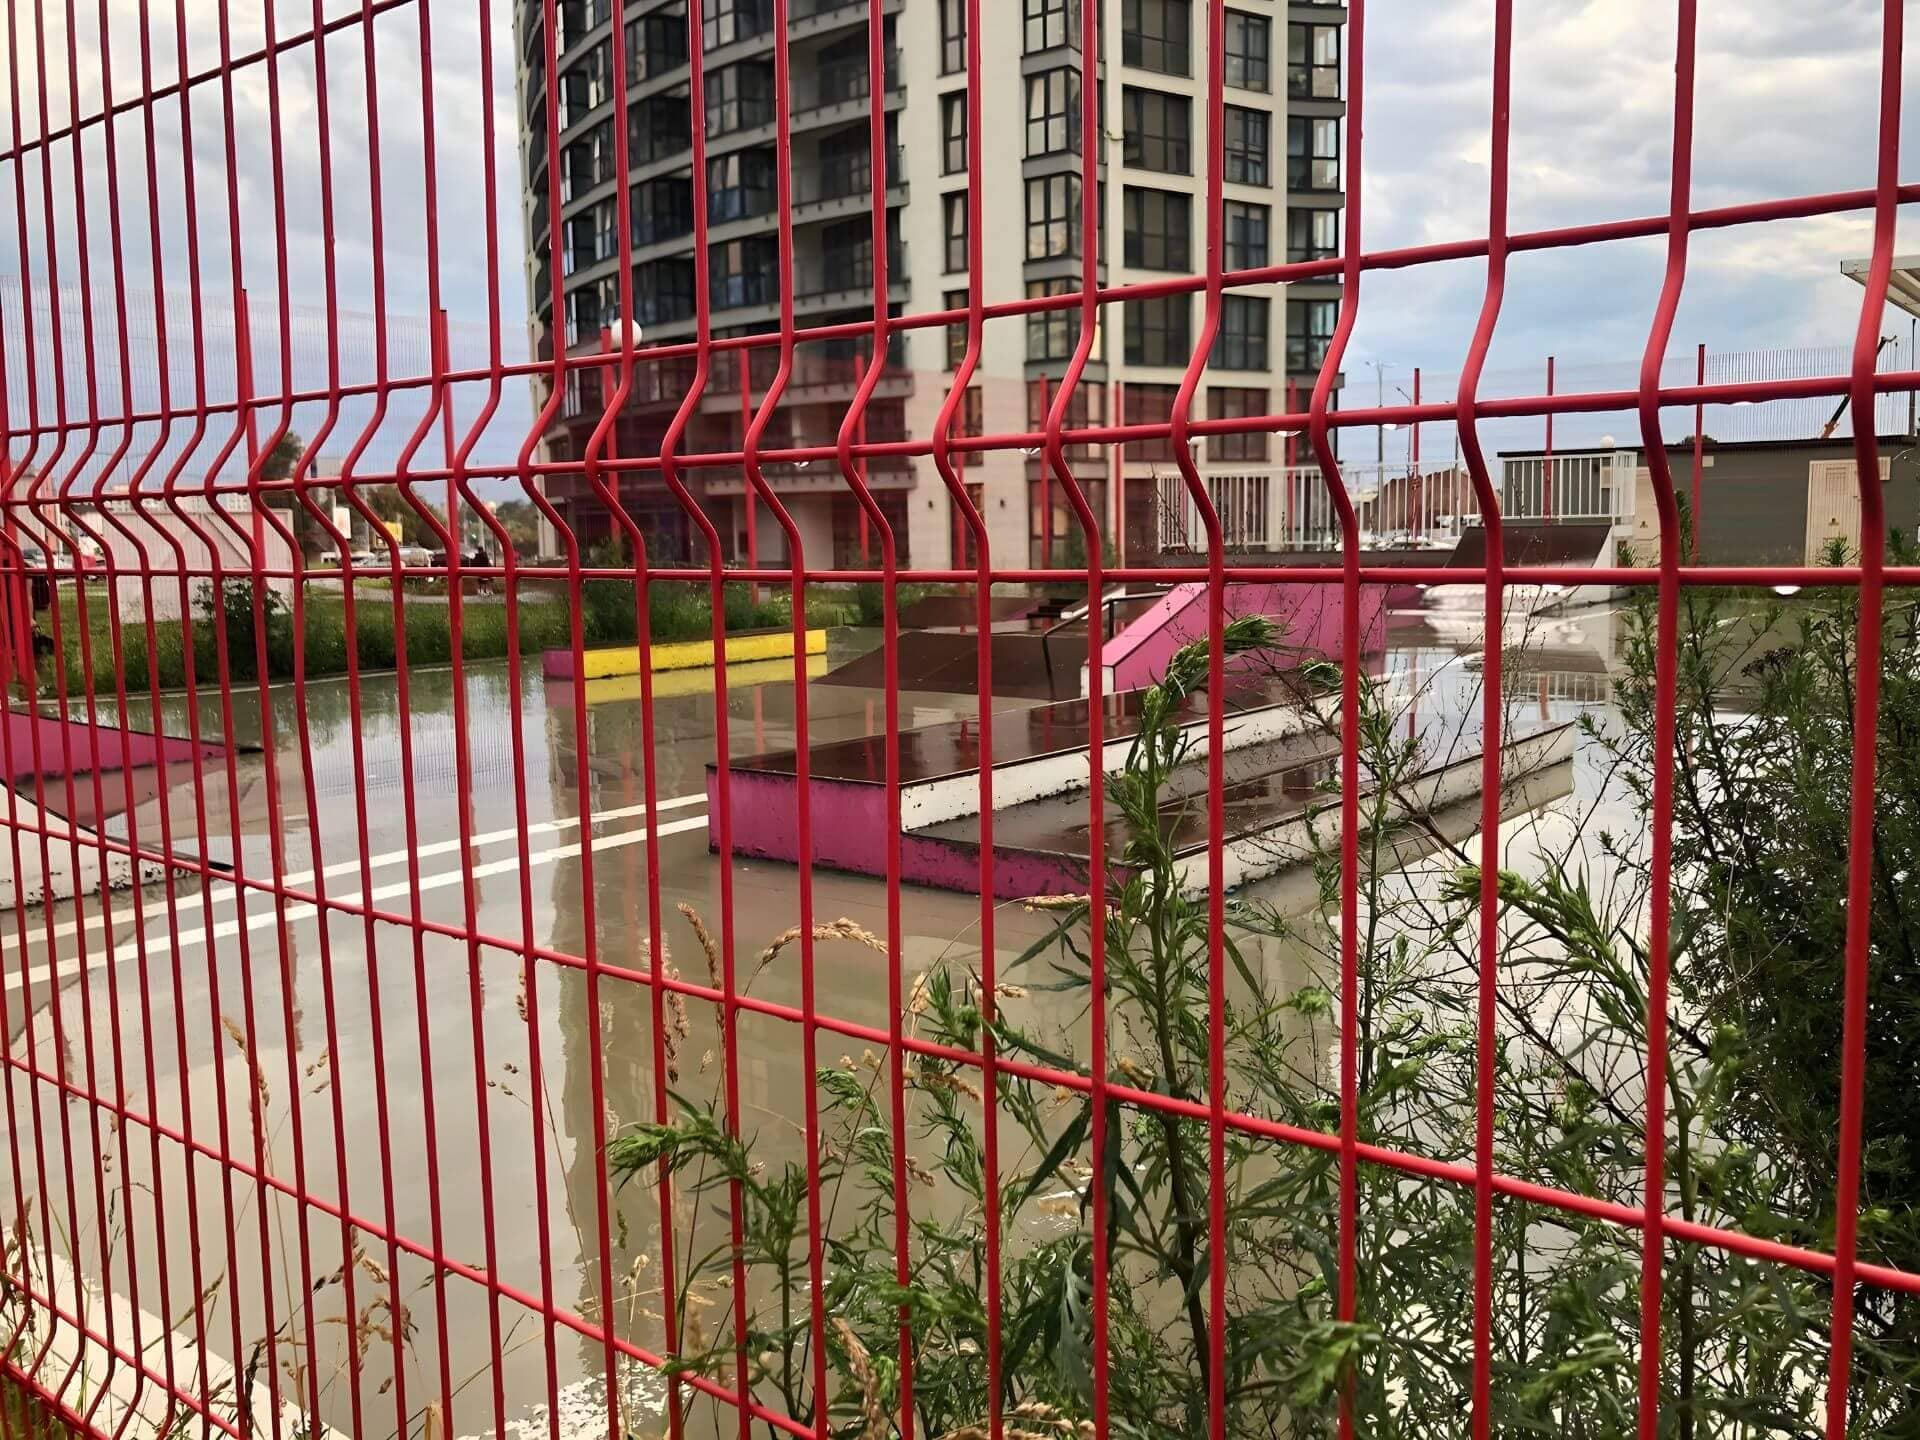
(1787, 96)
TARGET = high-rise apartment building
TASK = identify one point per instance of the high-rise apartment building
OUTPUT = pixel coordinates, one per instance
(1282, 136)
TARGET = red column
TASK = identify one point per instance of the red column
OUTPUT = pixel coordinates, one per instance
(1286, 487)
(1046, 490)
(243, 386)
(746, 487)
(1119, 412)
(1546, 465)
(1699, 420)
(1414, 482)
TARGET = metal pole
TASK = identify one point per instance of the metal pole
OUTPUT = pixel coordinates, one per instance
(1546, 466)
(1413, 465)
(1120, 476)
(1046, 493)
(1699, 417)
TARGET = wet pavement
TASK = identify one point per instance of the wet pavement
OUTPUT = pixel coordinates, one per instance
(443, 1087)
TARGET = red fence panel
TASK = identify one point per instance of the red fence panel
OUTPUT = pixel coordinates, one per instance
(296, 1146)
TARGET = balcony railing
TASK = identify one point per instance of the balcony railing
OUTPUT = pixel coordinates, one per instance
(845, 178)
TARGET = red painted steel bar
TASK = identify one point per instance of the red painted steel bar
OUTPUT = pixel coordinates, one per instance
(1054, 465)
(1546, 467)
(1346, 1299)
(1699, 460)
(1492, 647)
(976, 529)
(1218, 1261)
(73, 421)
(1665, 706)
(1866, 727)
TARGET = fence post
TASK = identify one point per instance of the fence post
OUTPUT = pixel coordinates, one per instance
(1699, 419)
(1546, 468)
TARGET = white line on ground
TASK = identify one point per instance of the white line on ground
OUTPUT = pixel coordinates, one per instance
(225, 896)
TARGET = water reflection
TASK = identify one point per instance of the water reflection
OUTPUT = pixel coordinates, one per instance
(442, 1090)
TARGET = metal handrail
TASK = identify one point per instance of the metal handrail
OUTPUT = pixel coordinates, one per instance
(1107, 602)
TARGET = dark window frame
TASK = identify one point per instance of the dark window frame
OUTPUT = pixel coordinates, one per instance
(1058, 217)
(1310, 327)
(1237, 402)
(1247, 138)
(1154, 239)
(1166, 147)
(1050, 25)
(1157, 35)
(1243, 340)
(1302, 243)
(1247, 64)
(1051, 334)
(953, 229)
(1237, 222)
(1313, 154)
(1058, 129)
(1159, 331)
(953, 37)
(953, 133)
(1310, 74)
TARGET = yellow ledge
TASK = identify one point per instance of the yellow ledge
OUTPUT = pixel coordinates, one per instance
(679, 655)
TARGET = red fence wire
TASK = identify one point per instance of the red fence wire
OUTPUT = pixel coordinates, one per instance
(84, 419)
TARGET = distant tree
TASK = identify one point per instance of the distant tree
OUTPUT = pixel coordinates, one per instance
(522, 524)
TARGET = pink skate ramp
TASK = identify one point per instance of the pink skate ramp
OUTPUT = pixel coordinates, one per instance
(1309, 614)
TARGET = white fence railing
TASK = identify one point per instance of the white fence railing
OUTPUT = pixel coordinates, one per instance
(1290, 507)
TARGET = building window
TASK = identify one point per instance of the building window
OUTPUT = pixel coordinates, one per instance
(1052, 24)
(657, 127)
(1312, 234)
(743, 272)
(731, 20)
(663, 291)
(1246, 227)
(1153, 34)
(1249, 45)
(1159, 331)
(1309, 332)
(1225, 403)
(953, 215)
(953, 36)
(662, 209)
(740, 185)
(956, 333)
(1053, 112)
(1159, 229)
(953, 133)
(1143, 404)
(585, 87)
(1242, 341)
(1245, 132)
(739, 97)
(1313, 62)
(1158, 130)
(1053, 208)
(1313, 153)
(656, 44)
(1051, 333)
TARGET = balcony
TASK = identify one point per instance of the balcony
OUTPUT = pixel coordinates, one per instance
(732, 292)
(837, 285)
(843, 181)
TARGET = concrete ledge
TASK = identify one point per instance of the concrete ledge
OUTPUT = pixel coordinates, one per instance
(678, 655)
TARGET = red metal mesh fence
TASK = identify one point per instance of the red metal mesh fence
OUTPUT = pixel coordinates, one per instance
(186, 1171)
